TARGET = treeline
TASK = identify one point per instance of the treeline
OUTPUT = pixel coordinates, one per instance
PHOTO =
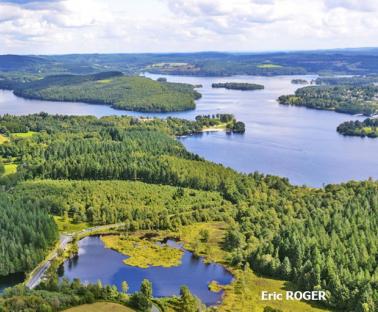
(243, 86)
(366, 128)
(347, 81)
(342, 99)
(109, 88)
(58, 296)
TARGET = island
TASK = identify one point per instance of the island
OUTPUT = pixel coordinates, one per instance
(135, 93)
(366, 128)
(299, 81)
(342, 99)
(243, 86)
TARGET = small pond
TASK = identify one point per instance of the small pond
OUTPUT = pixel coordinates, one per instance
(11, 280)
(96, 262)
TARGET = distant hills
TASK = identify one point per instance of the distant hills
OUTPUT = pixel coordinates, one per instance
(357, 61)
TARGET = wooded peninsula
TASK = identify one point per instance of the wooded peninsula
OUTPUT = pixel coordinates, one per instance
(133, 93)
(341, 98)
(366, 128)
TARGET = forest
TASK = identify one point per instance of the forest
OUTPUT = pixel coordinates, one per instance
(366, 128)
(340, 98)
(134, 93)
(110, 169)
(243, 86)
(348, 81)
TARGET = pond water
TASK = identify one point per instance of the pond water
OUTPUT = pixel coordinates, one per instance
(294, 142)
(95, 262)
(11, 280)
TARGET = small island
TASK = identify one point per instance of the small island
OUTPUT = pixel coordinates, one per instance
(366, 128)
(243, 86)
(299, 81)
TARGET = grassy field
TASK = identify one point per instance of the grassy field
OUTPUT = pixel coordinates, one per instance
(101, 307)
(22, 135)
(66, 225)
(3, 139)
(220, 127)
(10, 168)
(243, 295)
(269, 66)
(143, 253)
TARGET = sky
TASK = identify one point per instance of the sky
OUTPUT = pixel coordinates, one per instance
(128, 26)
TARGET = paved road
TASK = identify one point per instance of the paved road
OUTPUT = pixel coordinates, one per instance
(155, 308)
(65, 239)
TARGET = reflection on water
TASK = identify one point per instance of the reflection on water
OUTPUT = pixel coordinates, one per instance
(95, 262)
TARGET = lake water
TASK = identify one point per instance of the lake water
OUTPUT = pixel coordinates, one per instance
(294, 142)
(95, 262)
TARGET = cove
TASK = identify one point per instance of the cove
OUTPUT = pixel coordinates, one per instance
(96, 262)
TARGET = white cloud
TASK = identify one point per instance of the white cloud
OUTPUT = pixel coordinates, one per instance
(66, 26)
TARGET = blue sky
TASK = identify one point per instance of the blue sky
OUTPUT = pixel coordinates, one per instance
(103, 26)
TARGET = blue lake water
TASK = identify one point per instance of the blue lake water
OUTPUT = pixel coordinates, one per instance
(294, 142)
(95, 262)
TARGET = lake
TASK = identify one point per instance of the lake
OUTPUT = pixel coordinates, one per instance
(294, 142)
(95, 262)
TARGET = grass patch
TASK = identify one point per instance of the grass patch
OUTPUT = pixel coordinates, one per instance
(192, 237)
(10, 169)
(66, 225)
(3, 139)
(220, 127)
(100, 307)
(143, 253)
(215, 287)
(104, 81)
(269, 66)
(23, 135)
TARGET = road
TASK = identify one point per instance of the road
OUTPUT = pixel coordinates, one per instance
(37, 275)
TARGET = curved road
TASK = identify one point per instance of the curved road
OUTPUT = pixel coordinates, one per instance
(37, 275)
